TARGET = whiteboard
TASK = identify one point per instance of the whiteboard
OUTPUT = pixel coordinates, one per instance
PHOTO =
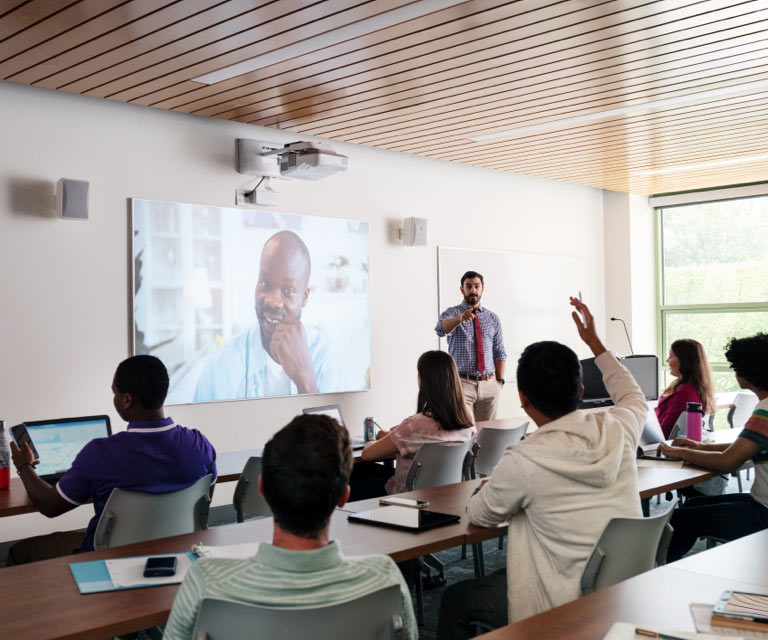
(528, 291)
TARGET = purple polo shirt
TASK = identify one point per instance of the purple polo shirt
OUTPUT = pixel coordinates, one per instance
(154, 457)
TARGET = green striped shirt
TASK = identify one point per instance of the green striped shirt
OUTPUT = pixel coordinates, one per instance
(283, 577)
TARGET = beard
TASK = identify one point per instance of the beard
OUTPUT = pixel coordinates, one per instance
(472, 299)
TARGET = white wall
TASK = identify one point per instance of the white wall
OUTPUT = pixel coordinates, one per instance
(629, 272)
(65, 285)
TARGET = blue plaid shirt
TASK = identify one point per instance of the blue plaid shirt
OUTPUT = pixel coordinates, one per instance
(461, 341)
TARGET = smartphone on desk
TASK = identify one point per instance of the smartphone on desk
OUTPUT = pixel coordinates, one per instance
(404, 502)
(160, 567)
(20, 435)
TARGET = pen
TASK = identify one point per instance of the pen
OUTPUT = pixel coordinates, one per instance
(653, 634)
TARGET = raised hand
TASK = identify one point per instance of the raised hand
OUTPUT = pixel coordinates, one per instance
(585, 325)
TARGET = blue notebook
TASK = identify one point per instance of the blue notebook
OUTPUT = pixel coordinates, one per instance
(94, 576)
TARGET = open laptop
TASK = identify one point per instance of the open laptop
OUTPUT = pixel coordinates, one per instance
(334, 411)
(59, 441)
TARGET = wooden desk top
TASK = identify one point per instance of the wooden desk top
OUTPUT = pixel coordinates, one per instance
(658, 599)
(745, 559)
(46, 603)
(652, 481)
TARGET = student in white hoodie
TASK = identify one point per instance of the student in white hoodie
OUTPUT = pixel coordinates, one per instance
(558, 488)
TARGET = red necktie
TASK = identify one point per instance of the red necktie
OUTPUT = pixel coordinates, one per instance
(480, 350)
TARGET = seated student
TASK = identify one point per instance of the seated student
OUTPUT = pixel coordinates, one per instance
(693, 383)
(734, 515)
(304, 477)
(558, 488)
(154, 455)
(441, 416)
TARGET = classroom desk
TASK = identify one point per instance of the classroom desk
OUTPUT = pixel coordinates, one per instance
(658, 599)
(46, 604)
(229, 464)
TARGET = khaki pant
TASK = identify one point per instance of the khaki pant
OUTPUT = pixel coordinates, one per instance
(481, 397)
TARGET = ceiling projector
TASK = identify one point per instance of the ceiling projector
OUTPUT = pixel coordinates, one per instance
(301, 160)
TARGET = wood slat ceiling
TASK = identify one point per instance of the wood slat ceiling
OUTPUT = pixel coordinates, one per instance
(427, 85)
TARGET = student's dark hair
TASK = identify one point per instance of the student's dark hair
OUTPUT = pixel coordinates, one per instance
(305, 469)
(472, 274)
(440, 394)
(748, 358)
(694, 370)
(550, 376)
(145, 378)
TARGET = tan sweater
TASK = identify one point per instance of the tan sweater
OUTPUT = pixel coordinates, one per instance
(559, 488)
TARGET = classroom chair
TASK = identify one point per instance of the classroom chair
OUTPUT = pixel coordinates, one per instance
(626, 548)
(742, 406)
(375, 616)
(247, 497)
(490, 446)
(436, 464)
(134, 516)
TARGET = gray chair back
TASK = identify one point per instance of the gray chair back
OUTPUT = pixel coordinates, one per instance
(741, 409)
(134, 516)
(247, 497)
(679, 429)
(626, 548)
(491, 444)
(375, 616)
(436, 464)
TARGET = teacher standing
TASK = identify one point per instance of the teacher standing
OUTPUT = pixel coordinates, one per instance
(476, 343)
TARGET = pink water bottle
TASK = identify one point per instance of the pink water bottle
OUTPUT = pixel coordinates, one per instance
(5, 458)
(693, 415)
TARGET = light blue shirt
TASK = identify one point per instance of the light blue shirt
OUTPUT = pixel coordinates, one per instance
(238, 369)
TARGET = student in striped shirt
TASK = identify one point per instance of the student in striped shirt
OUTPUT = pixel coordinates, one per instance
(305, 476)
(729, 516)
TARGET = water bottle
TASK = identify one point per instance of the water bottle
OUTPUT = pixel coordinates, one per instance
(693, 415)
(368, 435)
(5, 458)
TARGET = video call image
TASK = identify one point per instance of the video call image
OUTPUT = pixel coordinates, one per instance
(250, 304)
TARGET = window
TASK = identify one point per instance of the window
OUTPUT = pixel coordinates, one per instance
(713, 283)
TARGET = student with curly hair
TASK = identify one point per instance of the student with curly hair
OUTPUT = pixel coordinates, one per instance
(734, 515)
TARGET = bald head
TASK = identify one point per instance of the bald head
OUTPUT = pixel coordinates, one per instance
(287, 248)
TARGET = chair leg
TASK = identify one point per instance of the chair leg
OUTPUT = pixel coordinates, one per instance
(501, 543)
(479, 559)
(463, 552)
(738, 477)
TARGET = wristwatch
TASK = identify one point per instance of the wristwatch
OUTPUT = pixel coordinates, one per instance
(503, 382)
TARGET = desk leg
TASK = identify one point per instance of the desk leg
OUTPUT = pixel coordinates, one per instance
(645, 503)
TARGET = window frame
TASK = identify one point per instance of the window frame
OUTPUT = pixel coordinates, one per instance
(663, 311)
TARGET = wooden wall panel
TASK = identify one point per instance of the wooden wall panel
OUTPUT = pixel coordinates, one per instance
(427, 85)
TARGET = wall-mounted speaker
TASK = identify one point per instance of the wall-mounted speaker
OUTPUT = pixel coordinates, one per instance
(415, 232)
(72, 199)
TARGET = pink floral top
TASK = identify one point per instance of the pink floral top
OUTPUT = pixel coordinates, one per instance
(408, 437)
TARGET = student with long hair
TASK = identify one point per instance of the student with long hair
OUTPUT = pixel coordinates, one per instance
(693, 383)
(441, 416)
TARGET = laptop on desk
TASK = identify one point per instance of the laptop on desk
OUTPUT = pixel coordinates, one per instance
(59, 441)
(334, 411)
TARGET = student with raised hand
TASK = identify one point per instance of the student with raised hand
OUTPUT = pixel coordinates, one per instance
(693, 383)
(558, 488)
(441, 416)
(304, 477)
(734, 515)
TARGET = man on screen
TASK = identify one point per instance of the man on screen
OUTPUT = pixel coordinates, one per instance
(280, 355)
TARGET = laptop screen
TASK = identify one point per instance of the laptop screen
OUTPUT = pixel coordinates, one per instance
(59, 441)
(330, 410)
